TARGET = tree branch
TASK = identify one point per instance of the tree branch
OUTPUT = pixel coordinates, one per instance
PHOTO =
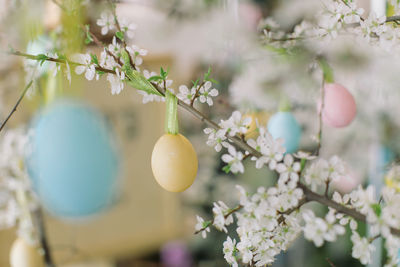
(310, 195)
(16, 104)
(43, 239)
(237, 208)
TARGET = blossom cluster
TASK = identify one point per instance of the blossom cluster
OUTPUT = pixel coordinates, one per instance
(17, 199)
(334, 19)
(268, 221)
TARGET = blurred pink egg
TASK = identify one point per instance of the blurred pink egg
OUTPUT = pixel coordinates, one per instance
(339, 106)
(345, 184)
(250, 15)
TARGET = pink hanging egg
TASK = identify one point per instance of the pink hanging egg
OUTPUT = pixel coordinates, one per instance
(339, 106)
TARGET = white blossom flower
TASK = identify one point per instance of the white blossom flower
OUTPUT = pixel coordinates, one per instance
(106, 61)
(185, 94)
(304, 155)
(334, 229)
(202, 225)
(314, 228)
(116, 82)
(234, 160)
(317, 174)
(115, 47)
(336, 168)
(362, 249)
(363, 199)
(137, 53)
(206, 93)
(288, 170)
(128, 27)
(106, 22)
(220, 210)
(87, 67)
(236, 124)
(216, 138)
(230, 251)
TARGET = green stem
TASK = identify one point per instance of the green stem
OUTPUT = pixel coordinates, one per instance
(171, 120)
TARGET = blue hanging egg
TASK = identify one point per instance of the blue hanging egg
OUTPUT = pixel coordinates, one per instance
(284, 125)
(72, 162)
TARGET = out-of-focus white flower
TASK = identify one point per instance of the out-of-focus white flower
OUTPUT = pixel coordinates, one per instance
(314, 228)
(362, 249)
(363, 199)
(87, 67)
(115, 47)
(304, 155)
(116, 82)
(220, 210)
(200, 225)
(230, 251)
(185, 94)
(106, 22)
(128, 27)
(137, 53)
(317, 174)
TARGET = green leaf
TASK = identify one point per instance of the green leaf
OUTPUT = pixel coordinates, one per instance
(377, 209)
(213, 81)
(195, 83)
(138, 81)
(227, 168)
(207, 75)
(42, 57)
(163, 73)
(155, 78)
(120, 35)
(302, 164)
(95, 60)
(88, 38)
(206, 224)
(327, 70)
(100, 72)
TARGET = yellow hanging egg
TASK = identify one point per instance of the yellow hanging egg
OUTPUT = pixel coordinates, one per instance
(23, 254)
(174, 162)
(262, 118)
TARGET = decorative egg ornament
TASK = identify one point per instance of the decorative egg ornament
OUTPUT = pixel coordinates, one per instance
(173, 161)
(73, 163)
(23, 254)
(339, 107)
(284, 125)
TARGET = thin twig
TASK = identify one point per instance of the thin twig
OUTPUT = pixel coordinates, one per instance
(330, 262)
(237, 208)
(57, 60)
(100, 44)
(43, 239)
(16, 104)
(118, 25)
(196, 94)
(320, 122)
